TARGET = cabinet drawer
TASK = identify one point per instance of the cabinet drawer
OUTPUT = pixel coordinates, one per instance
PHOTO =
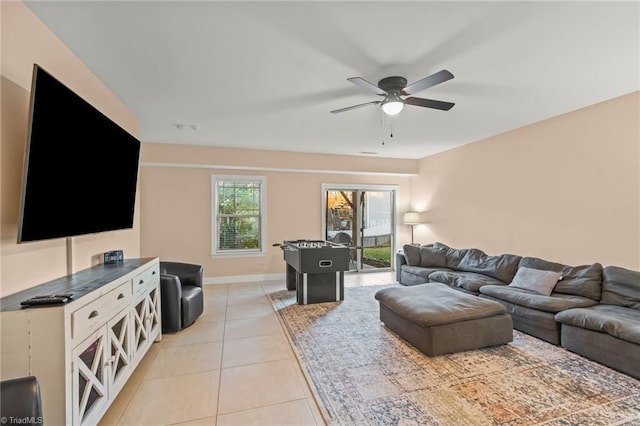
(89, 318)
(146, 280)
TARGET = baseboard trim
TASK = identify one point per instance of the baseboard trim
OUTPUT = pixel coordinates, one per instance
(233, 279)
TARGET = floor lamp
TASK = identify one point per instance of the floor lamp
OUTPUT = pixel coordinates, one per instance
(411, 219)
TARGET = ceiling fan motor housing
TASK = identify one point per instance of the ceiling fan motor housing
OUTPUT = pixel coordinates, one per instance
(392, 84)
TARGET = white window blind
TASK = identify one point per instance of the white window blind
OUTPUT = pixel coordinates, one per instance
(238, 214)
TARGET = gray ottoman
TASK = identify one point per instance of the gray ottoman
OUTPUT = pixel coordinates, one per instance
(438, 319)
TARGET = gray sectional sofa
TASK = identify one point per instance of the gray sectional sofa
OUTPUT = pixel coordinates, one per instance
(608, 332)
(588, 309)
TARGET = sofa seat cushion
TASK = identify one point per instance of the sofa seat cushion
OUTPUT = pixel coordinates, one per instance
(420, 271)
(617, 321)
(554, 303)
(469, 281)
(436, 304)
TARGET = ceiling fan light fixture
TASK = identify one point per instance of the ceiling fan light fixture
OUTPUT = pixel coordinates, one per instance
(393, 104)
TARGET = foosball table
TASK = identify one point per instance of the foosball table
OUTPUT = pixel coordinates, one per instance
(315, 269)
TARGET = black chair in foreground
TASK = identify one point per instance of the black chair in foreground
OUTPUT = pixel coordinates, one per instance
(20, 401)
(181, 294)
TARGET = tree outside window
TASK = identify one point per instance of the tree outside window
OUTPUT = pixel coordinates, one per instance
(239, 214)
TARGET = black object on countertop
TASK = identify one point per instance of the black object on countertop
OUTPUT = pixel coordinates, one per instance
(52, 299)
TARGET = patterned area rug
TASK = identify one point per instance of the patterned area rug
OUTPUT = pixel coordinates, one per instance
(364, 374)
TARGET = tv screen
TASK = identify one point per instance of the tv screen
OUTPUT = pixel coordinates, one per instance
(80, 169)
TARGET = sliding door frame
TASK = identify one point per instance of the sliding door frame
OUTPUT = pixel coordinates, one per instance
(394, 189)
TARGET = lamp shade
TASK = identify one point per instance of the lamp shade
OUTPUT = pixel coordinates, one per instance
(411, 218)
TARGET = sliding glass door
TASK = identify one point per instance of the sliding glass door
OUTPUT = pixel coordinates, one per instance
(362, 217)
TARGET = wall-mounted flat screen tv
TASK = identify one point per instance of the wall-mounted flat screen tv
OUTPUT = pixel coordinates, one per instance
(80, 170)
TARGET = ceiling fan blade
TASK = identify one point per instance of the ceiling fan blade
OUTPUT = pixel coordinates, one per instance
(425, 83)
(335, 111)
(366, 85)
(429, 103)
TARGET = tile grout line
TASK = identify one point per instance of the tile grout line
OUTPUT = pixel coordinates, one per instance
(224, 331)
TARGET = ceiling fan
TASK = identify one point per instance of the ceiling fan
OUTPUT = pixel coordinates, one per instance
(394, 88)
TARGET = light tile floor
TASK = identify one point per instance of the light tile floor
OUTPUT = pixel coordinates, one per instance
(234, 366)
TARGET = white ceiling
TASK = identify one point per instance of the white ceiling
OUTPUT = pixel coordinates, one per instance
(266, 74)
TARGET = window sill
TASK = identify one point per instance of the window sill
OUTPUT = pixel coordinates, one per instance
(239, 254)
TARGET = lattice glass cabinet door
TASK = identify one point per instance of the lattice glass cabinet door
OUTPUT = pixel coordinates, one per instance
(119, 357)
(154, 319)
(89, 373)
(146, 320)
(140, 328)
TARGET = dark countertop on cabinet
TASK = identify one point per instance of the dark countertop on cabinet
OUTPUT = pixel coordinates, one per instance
(79, 284)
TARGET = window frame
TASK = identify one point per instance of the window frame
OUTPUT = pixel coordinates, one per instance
(262, 180)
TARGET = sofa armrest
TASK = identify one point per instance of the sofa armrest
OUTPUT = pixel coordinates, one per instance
(171, 302)
(189, 273)
(400, 260)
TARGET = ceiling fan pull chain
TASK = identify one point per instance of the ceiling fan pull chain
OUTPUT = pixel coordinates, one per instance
(382, 119)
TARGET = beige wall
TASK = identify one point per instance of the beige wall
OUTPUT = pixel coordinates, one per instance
(566, 189)
(176, 201)
(25, 41)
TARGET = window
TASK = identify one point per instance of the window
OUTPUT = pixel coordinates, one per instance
(238, 215)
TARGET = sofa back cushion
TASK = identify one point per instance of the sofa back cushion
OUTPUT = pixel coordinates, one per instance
(502, 267)
(412, 254)
(454, 256)
(432, 257)
(621, 287)
(426, 256)
(585, 280)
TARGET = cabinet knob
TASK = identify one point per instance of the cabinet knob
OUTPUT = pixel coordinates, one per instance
(110, 360)
(120, 296)
(141, 282)
(93, 314)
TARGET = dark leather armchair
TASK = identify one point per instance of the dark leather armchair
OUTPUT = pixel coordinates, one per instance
(20, 399)
(181, 294)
